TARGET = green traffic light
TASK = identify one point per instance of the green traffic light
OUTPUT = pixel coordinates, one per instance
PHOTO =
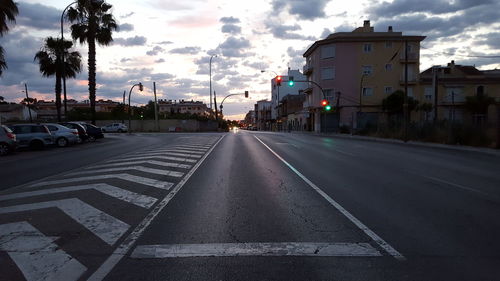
(291, 83)
(328, 107)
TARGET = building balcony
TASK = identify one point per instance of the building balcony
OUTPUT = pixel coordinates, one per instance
(412, 57)
(307, 69)
(412, 79)
(308, 90)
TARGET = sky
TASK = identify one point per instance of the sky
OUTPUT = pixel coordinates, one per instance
(170, 42)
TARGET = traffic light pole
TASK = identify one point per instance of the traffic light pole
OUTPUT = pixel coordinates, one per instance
(129, 109)
(221, 104)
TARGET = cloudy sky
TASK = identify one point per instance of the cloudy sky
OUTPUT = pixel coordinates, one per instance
(170, 42)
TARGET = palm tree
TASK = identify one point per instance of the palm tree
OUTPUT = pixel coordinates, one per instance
(8, 12)
(93, 24)
(49, 59)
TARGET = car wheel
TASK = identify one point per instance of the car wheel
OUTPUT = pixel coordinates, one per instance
(120, 131)
(4, 149)
(91, 138)
(36, 144)
(62, 142)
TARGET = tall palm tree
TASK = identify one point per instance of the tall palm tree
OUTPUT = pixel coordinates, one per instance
(92, 23)
(8, 12)
(49, 59)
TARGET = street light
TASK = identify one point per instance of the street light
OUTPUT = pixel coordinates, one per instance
(63, 58)
(210, 71)
(129, 109)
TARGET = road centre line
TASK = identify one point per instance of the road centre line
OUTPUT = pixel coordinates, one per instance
(131, 239)
(456, 185)
(377, 239)
(255, 249)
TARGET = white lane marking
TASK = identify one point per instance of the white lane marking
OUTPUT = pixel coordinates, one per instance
(388, 248)
(457, 185)
(36, 255)
(106, 227)
(198, 148)
(343, 152)
(140, 200)
(127, 177)
(167, 153)
(129, 241)
(132, 158)
(152, 162)
(137, 168)
(255, 249)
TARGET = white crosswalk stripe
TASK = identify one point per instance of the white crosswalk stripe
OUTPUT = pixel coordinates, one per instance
(127, 177)
(106, 227)
(133, 158)
(36, 255)
(196, 148)
(152, 162)
(174, 150)
(137, 168)
(170, 153)
(119, 193)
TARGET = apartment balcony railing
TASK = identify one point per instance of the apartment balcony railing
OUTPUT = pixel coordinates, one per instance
(412, 79)
(412, 57)
(307, 69)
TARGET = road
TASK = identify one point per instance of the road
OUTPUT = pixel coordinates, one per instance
(255, 206)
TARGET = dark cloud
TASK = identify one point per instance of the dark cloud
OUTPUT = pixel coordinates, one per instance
(492, 40)
(164, 43)
(231, 28)
(159, 60)
(398, 7)
(131, 41)
(186, 50)
(235, 47)
(307, 10)
(126, 27)
(256, 65)
(39, 16)
(155, 51)
(286, 31)
(229, 20)
(123, 60)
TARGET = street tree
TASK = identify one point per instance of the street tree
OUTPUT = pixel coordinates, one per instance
(93, 23)
(50, 62)
(8, 13)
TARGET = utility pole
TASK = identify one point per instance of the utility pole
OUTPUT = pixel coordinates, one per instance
(405, 104)
(157, 123)
(337, 106)
(28, 101)
(123, 113)
(216, 113)
(435, 83)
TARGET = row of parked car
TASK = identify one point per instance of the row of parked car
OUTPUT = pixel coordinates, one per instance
(38, 136)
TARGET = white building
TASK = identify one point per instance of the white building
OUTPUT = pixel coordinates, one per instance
(285, 89)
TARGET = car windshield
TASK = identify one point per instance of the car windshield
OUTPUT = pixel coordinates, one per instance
(273, 140)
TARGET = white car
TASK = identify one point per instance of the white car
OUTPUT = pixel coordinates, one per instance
(115, 127)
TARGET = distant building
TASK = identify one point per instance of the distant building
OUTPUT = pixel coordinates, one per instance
(454, 84)
(292, 115)
(277, 93)
(263, 115)
(186, 107)
(47, 109)
(16, 112)
(250, 119)
(361, 68)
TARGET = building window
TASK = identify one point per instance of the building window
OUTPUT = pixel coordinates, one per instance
(367, 92)
(328, 51)
(329, 94)
(367, 47)
(367, 69)
(327, 73)
(480, 91)
(388, 44)
(428, 93)
(388, 67)
(388, 90)
(454, 94)
(410, 92)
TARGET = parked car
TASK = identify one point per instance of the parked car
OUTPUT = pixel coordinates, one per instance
(82, 132)
(8, 140)
(63, 136)
(115, 127)
(93, 131)
(35, 136)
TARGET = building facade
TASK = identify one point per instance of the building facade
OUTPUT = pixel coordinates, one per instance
(359, 69)
(263, 120)
(278, 92)
(185, 107)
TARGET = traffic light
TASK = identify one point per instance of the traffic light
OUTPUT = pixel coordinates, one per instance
(246, 94)
(290, 81)
(141, 87)
(278, 80)
(326, 105)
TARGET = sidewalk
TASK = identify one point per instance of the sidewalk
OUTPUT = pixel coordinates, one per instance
(490, 151)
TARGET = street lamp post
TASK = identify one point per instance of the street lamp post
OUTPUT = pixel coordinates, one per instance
(63, 58)
(210, 72)
(277, 94)
(129, 109)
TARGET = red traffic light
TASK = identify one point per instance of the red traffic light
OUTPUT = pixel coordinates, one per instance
(278, 80)
(324, 103)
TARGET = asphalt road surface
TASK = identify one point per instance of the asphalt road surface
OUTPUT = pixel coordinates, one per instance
(249, 206)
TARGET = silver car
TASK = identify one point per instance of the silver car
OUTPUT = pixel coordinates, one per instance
(35, 136)
(63, 136)
(8, 141)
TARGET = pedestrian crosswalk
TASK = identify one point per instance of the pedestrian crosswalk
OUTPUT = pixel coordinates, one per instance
(100, 204)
